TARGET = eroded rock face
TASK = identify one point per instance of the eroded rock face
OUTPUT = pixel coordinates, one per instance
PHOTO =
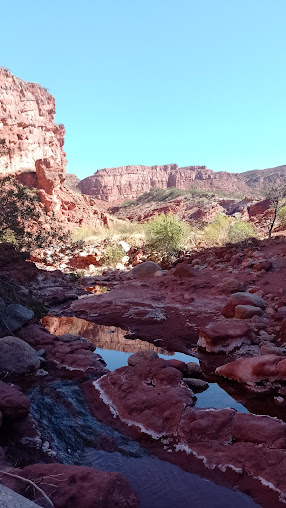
(31, 148)
(128, 182)
(114, 185)
(27, 113)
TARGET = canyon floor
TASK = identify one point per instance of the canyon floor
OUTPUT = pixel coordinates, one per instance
(149, 383)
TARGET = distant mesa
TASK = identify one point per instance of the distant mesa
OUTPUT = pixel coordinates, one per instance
(114, 185)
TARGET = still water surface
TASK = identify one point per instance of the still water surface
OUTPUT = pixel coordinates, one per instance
(112, 345)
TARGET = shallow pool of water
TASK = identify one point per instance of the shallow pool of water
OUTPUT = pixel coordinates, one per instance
(161, 484)
(112, 345)
(214, 396)
(63, 417)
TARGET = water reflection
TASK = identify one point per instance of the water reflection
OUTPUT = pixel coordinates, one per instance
(115, 349)
(103, 337)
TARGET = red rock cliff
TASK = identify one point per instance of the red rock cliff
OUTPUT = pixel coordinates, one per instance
(33, 151)
(27, 125)
(114, 185)
(128, 182)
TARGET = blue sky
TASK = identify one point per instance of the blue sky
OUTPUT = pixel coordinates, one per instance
(157, 81)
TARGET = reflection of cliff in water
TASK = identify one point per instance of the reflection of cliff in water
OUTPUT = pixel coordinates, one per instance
(103, 337)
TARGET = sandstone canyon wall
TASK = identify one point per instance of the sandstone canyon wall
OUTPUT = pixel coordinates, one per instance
(128, 182)
(31, 148)
(27, 125)
(114, 185)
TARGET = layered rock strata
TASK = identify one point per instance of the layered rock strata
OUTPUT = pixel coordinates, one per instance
(128, 182)
(27, 113)
(31, 148)
(115, 185)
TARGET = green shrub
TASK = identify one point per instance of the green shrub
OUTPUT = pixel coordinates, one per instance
(216, 233)
(166, 233)
(112, 255)
(225, 229)
(240, 230)
(83, 233)
(282, 216)
(155, 195)
(21, 220)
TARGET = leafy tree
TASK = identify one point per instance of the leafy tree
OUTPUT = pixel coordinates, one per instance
(276, 193)
(21, 219)
(165, 233)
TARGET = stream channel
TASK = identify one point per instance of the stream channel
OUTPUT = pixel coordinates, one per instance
(77, 437)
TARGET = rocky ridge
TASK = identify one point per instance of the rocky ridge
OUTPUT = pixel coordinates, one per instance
(115, 185)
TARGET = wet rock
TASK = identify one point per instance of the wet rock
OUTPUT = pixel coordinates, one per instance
(177, 364)
(183, 270)
(142, 357)
(194, 370)
(77, 486)
(144, 270)
(254, 369)
(13, 403)
(247, 311)
(149, 396)
(17, 356)
(224, 336)
(14, 316)
(259, 429)
(242, 298)
(206, 425)
(197, 385)
(70, 354)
